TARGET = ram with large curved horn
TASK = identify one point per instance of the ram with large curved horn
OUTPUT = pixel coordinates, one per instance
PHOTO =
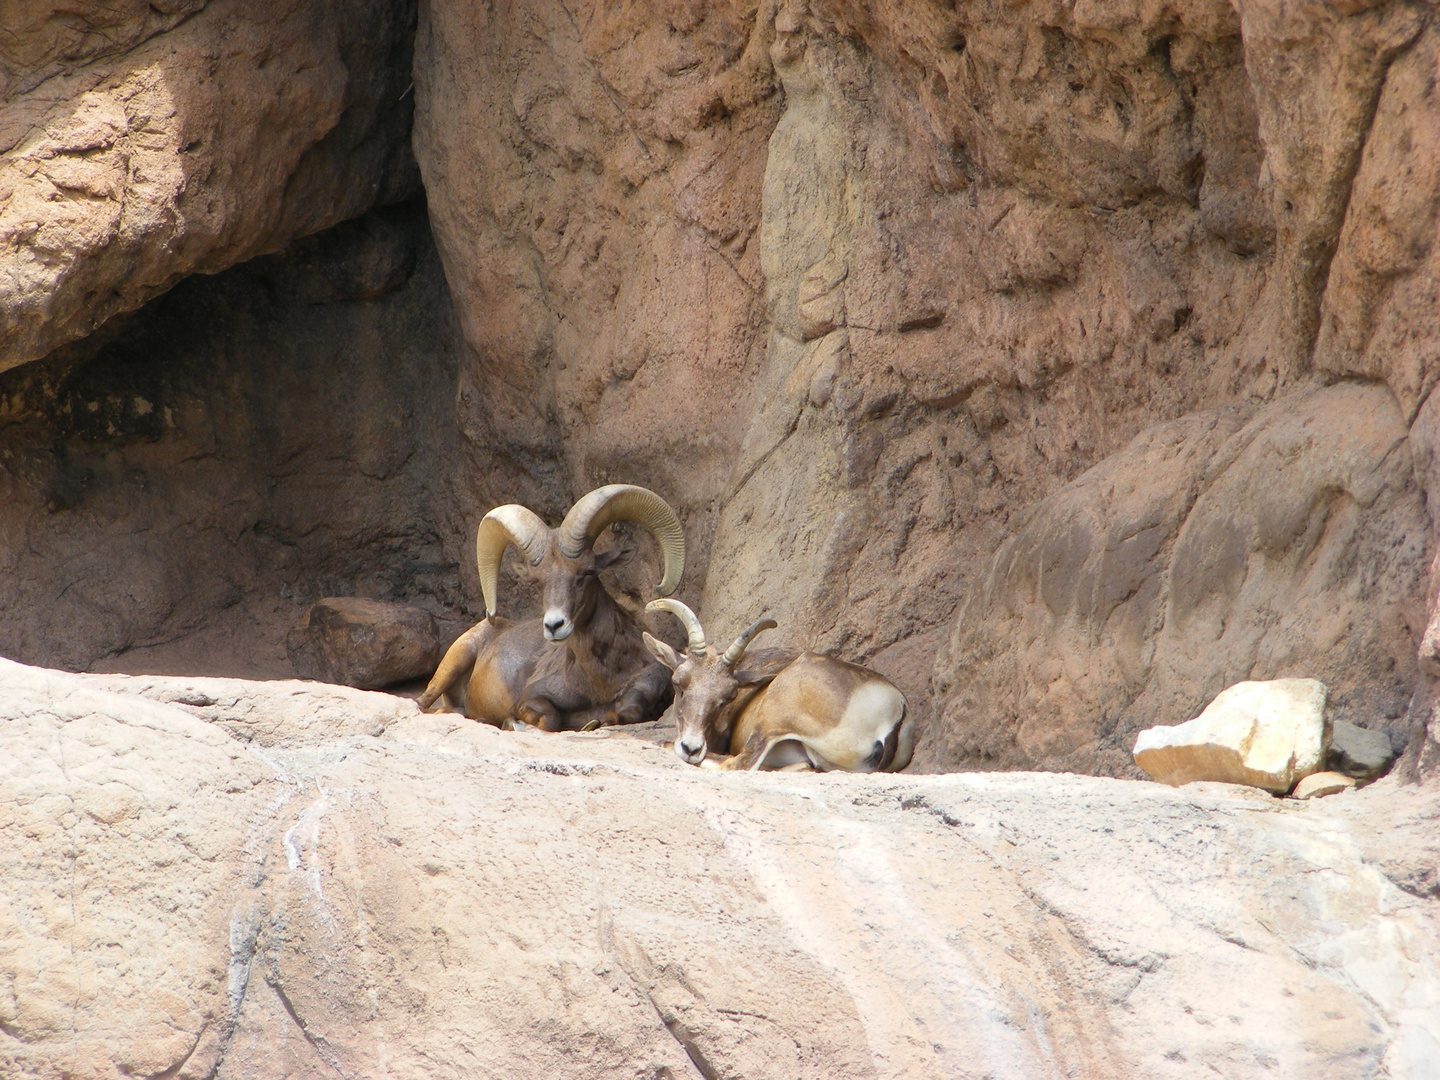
(769, 708)
(583, 660)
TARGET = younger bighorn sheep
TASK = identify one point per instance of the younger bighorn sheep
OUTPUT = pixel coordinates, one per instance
(582, 661)
(781, 708)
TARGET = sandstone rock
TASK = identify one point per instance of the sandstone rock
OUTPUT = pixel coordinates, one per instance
(958, 262)
(1316, 71)
(1378, 319)
(126, 967)
(446, 894)
(274, 713)
(364, 643)
(1266, 734)
(1320, 784)
(1357, 752)
(860, 288)
(138, 147)
(943, 277)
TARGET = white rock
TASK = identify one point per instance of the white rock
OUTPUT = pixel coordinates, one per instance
(1265, 734)
(1323, 783)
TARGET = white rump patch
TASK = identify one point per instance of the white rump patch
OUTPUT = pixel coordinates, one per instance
(786, 752)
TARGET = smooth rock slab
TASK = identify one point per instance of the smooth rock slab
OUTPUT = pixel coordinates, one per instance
(364, 643)
(446, 900)
(1265, 734)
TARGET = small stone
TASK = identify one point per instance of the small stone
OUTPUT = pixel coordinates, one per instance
(1359, 752)
(364, 643)
(1265, 734)
(1322, 783)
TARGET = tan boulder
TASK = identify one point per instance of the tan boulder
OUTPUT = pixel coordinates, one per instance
(364, 643)
(1265, 734)
(1322, 783)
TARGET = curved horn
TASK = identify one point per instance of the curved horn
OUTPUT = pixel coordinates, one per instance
(594, 512)
(740, 644)
(509, 524)
(686, 616)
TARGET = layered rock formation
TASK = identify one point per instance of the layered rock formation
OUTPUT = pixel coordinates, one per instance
(211, 877)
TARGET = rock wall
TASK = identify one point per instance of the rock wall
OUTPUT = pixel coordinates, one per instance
(1207, 552)
(885, 299)
(979, 251)
(229, 879)
(177, 488)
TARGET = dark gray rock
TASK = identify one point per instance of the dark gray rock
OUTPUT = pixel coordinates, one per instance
(1358, 752)
(364, 643)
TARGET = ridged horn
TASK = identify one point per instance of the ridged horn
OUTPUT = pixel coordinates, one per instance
(509, 524)
(693, 628)
(604, 506)
(740, 644)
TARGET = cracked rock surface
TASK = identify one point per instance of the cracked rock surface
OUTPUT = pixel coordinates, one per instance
(213, 877)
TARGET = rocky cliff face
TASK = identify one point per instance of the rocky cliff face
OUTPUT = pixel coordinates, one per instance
(217, 878)
(1063, 362)
(977, 253)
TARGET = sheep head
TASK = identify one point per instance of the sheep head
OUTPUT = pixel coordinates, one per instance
(563, 559)
(705, 680)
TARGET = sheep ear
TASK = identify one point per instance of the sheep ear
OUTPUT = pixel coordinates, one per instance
(660, 651)
(619, 553)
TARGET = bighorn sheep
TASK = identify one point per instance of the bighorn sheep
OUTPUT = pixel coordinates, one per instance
(781, 708)
(582, 661)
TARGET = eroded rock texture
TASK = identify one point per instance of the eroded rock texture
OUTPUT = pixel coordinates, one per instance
(243, 879)
(855, 284)
(1209, 551)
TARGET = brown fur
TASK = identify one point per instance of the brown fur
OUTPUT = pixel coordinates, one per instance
(774, 696)
(599, 673)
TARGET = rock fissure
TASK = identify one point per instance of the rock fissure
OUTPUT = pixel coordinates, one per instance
(321, 1050)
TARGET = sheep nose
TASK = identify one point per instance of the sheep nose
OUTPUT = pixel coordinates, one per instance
(557, 626)
(691, 750)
